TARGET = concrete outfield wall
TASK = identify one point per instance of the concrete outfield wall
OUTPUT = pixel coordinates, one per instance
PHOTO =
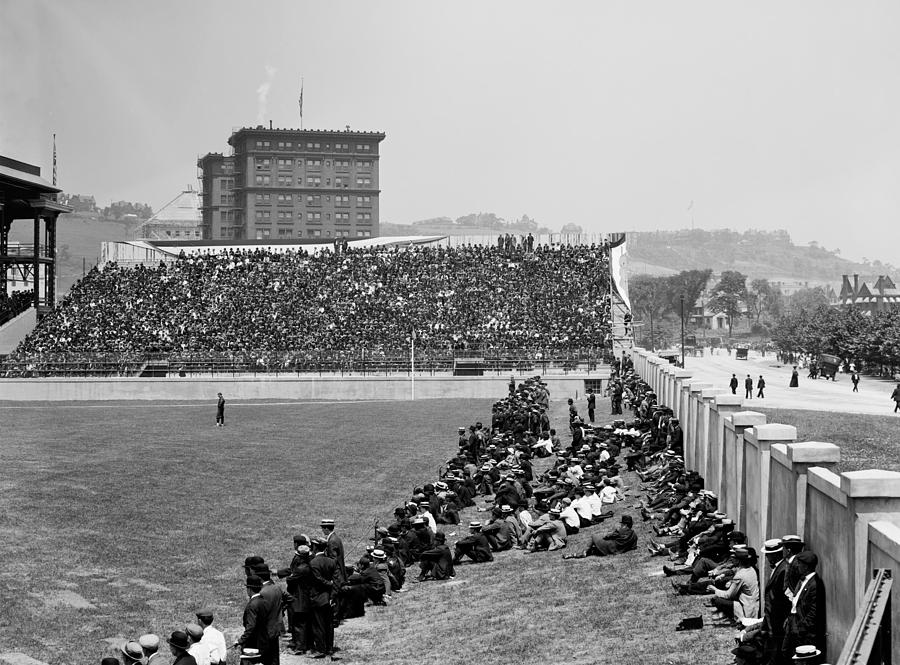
(345, 388)
(829, 533)
(772, 486)
(782, 493)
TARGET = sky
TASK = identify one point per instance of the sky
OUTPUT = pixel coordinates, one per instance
(612, 115)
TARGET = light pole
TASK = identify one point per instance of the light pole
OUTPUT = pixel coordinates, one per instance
(652, 347)
(682, 331)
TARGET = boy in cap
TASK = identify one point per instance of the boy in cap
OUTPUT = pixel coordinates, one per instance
(213, 638)
(198, 649)
(150, 646)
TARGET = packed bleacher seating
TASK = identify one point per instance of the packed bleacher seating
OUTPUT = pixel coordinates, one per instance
(258, 301)
(13, 305)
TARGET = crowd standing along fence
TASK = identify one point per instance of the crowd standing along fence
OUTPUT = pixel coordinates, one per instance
(772, 485)
(469, 362)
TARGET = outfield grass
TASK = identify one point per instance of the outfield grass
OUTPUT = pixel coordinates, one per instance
(866, 442)
(142, 513)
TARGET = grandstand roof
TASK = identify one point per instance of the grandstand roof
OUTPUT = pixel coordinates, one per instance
(154, 250)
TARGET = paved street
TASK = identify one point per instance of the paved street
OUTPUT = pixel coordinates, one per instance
(873, 396)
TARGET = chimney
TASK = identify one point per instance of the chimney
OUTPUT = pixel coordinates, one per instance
(855, 285)
(270, 124)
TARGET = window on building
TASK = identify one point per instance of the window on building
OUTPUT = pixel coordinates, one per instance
(313, 163)
(363, 217)
(363, 182)
(263, 164)
(263, 198)
(314, 181)
(285, 145)
(314, 233)
(263, 144)
(285, 216)
(285, 233)
(264, 180)
(263, 215)
(342, 201)
(285, 163)
(363, 234)
(223, 232)
(363, 201)
(364, 164)
(342, 164)
(313, 146)
(263, 234)
(363, 147)
(285, 198)
(227, 167)
(314, 200)
(314, 216)
(285, 181)
(342, 217)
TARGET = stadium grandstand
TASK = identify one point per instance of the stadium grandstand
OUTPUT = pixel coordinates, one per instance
(196, 307)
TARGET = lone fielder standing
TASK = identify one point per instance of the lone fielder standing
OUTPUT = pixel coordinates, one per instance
(220, 412)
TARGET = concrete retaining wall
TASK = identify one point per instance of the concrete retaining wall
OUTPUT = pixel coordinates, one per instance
(314, 387)
(772, 485)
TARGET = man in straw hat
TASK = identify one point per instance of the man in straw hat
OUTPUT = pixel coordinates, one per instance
(806, 619)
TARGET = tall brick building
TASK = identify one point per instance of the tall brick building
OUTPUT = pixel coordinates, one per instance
(283, 184)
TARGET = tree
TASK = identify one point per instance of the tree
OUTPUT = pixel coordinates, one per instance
(687, 283)
(649, 300)
(763, 298)
(571, 228)
(807, 299)
(728, 296)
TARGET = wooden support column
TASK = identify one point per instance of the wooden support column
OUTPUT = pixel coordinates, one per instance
(50, 280)
(36, 266)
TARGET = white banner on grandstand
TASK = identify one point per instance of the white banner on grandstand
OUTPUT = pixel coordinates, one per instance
(617, 253)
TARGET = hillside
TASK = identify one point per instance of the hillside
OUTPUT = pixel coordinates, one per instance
(78, 237)
(769, 254)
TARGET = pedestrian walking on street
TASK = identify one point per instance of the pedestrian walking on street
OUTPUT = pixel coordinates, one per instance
(855, 379)
(795, 378)
(733, 384)
(760, 387)
(896, 397)
(748, 387)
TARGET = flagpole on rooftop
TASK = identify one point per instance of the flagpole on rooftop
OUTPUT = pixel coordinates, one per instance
(301, 102)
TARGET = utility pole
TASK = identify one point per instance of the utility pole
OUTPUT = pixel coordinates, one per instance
(682, 331)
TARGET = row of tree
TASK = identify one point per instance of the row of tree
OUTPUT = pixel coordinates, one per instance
(867, 341)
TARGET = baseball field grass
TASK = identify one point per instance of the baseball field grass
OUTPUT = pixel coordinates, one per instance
(866, 441)
(120, 519)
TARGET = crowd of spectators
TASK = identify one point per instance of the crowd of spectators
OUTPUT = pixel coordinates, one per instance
(13, 305)
(258, 301)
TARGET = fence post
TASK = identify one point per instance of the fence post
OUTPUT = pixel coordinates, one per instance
(733, 465)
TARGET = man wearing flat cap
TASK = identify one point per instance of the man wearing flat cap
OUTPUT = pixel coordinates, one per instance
(806, 621)
(335, 547)
(150, 646)
(213, 638)
(178, 645)
(198, 649)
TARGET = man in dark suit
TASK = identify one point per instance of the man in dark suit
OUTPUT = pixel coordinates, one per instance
(297, 581)
(272, 597)
(335, 548)
(733, 384)
(437, 562)
(178, 645)
(220, 411)
(806, 621)
(475, 546)
(255, 634)
(748, 387)
(324, 574)
(777, 604)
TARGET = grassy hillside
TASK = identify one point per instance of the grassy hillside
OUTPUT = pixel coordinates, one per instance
(78, 237)
(754, 253)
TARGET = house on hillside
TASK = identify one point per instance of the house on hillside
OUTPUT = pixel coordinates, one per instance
(881, 296)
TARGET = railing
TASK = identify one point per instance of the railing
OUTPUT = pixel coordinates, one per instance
(869, 641)
(298, 363)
